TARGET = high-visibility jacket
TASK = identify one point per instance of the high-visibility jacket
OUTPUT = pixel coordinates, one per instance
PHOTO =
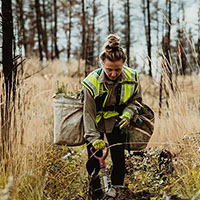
(126, 89)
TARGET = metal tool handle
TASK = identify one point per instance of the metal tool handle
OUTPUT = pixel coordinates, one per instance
(105, 179)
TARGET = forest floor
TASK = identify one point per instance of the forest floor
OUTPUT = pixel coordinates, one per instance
(151, 174)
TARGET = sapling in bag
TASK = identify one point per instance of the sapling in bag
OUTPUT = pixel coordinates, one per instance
(68, 120)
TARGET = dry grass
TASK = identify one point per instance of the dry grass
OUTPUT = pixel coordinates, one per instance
(182, 115)
(180, 118)
(36, 119)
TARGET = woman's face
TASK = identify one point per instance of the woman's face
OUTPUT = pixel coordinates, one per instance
(113, 69)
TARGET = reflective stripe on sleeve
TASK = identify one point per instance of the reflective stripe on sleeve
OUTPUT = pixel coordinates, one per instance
(132, 85)
(88, 87)
(122, 93)
(92, 86)
(106, 96)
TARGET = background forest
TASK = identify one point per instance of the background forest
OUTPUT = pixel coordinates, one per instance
(78, 29)
(45, 43)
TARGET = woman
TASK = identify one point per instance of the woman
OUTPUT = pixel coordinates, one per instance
(110, 93)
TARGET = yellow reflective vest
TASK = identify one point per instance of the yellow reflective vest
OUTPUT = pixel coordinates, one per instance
(128, 87)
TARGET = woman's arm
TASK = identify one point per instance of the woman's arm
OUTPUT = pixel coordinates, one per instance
(89, 117)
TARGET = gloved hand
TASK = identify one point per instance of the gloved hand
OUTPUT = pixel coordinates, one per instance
(125, 120)
(99, 144)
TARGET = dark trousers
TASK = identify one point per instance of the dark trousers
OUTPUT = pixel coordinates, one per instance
(116, 142)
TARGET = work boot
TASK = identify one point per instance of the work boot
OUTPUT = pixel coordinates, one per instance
(111, 192)
(95, 191)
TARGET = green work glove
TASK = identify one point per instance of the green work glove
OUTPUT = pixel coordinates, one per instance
(125, 120)
(99, 144)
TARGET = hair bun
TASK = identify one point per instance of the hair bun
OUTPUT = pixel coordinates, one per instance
(113, 42)
(112, 50)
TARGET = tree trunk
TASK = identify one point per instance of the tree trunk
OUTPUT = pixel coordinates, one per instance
(181, 42)
(93, 32)
(70, 30)
(52, 32)
(9, 75)
(149, 37)
(31, 31)
(88, 44)
(128, 41)
(7, 55)
(39, 27)
(21, 21)
(157, 24)
(83, 53)
(169, 46)
(169, 19)
(109, 19)
(113, 20)
(144, 14)
(44, 33)
(144, 21)
(91, 38)
(55, 29)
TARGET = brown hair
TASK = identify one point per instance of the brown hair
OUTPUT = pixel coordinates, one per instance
(112, 50)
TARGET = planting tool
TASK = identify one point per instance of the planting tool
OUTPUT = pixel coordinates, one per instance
(102, 165)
